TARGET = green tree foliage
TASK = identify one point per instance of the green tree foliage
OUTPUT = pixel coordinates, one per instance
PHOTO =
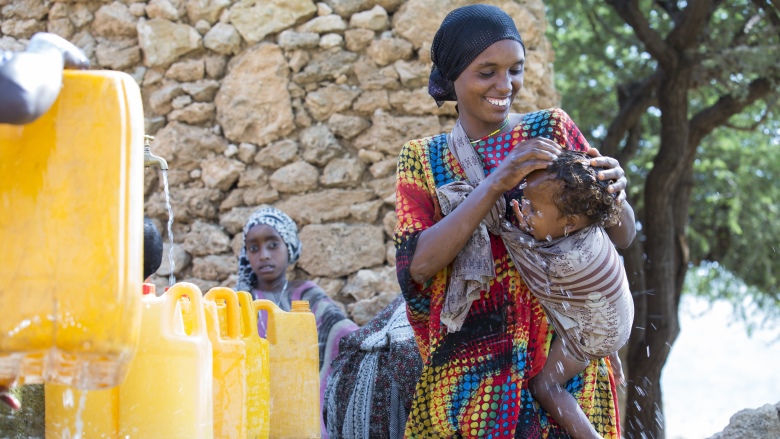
(685, 95)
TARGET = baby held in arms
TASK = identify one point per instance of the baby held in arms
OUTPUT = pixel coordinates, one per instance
(572, 268)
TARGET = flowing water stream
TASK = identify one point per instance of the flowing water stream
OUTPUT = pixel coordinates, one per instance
(171, 263)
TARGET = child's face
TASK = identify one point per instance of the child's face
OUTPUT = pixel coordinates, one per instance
(267, 254)
(540, 215)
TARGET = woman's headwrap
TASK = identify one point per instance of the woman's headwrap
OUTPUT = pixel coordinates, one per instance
(464, 34)
(284, 226)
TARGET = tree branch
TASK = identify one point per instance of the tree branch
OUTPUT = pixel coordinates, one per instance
(605, 27)
(719, 113)
(671, 8)
(632, 144)
(693, 20)
(741, 35)
(629, 11)
(639, 97)
(772, 12)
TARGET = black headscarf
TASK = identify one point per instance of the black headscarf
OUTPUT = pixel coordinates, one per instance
(463, 35)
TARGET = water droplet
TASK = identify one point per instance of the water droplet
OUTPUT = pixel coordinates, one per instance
(648, 352)
(548, 237)
(67, 398)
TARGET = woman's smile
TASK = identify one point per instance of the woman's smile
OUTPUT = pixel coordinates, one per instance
(487, 87)
(503, 102)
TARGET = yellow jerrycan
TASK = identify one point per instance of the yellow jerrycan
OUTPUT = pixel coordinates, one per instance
(229, 359)
(295, 375)
(71, 412)
(167, 392)
(71, 236)
(258, 384)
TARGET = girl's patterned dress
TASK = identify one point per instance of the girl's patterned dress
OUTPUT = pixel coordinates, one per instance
(475, 381)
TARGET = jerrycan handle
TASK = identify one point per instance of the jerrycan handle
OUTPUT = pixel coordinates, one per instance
(272, 310)
(231, 300)
(172, 296)
(248, 314)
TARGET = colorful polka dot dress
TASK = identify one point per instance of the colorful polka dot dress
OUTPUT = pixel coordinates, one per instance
(474, 382)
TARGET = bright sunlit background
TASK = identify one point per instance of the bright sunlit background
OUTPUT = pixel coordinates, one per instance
(715, 370)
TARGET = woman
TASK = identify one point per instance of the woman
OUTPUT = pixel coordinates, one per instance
(270, 245)
(482, 335)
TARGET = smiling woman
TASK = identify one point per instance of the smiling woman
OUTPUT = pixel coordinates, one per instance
(270, 244)
(481, 332)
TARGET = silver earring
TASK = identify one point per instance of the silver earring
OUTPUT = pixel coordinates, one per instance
(565, 230)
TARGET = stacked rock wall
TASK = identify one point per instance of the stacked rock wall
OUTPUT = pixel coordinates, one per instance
(300, 105)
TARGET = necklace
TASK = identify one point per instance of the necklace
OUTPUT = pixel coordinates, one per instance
(276, 297)
(506, 121)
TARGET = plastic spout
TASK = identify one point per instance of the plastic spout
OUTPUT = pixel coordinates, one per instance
(151, 159)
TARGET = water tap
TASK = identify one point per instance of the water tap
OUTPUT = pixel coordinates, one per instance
(151, 159)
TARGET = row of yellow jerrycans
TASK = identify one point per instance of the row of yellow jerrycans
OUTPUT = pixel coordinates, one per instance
(202, 371)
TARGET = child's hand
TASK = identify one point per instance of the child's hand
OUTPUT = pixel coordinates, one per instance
(617, 368)
(521, 222)
(8, 399)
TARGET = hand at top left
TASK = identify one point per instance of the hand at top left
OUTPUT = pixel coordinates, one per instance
(72, 56)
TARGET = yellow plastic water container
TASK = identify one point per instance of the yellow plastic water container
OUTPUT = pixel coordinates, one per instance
(167, 393)
(295, 375)
(229, 360)
(258, 384)
(71, 235)
(72, 413)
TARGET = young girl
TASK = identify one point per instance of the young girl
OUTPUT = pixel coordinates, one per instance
(573, 269)
(271, 244)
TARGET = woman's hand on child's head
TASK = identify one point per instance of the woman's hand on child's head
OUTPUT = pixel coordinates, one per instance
(526, 157)
(8, 399)
(612, 171)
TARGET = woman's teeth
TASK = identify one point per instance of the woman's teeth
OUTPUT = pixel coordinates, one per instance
(498, 102)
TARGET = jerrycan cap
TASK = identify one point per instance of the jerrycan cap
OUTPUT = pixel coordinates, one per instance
(300, 306)
(149, 289)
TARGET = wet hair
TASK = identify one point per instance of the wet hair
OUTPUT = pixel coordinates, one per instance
(153, 248)
(578, 191)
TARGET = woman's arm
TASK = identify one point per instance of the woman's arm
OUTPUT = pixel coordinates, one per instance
(438, 245)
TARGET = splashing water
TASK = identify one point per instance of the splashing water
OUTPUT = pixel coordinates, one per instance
(79, 415)
(171, 263)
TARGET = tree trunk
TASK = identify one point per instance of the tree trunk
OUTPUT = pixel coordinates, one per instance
(656, 323)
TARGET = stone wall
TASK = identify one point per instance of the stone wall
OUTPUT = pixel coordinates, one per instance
(300, 105)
